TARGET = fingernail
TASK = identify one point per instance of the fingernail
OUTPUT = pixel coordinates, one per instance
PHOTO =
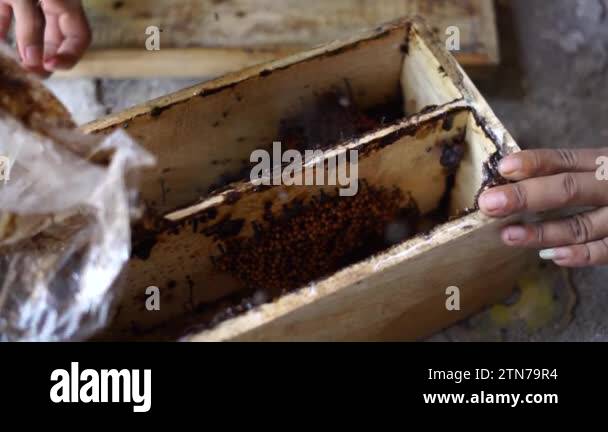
(50, 64)
(33, 55)
(516, 234)
(555, 254)
(50, 50)
(493, 201)
(510, 165)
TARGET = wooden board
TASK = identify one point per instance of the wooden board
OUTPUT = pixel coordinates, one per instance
(207, 37)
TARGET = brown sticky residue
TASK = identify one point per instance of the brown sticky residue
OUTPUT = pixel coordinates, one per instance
(232, 198)
(448, 121)
(491, 177)
(225, 228)
(223, 182)
(307, 241)
(427, 109)
(265, 73)
(145, 234)
(28, 101)
(214, 90)
(157, 111)
(405, 46)
(336, 117)
(452, 153)
(420, 129)
(332, 118)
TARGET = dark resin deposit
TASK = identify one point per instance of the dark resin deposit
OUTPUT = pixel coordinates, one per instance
(332, 118)
(303, 243)
(336, 117)
(312, 240)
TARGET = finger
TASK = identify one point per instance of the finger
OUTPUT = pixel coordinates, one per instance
(76, 39)
(6, 17)
(590, 254)
(544, 193)
(579, 229)
(29, 28)
(53, 38)
(540, 163)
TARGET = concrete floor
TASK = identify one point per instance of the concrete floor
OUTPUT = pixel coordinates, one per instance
(550, 91)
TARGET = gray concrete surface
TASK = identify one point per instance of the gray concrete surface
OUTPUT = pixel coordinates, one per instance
(553, 92)
(550, 91)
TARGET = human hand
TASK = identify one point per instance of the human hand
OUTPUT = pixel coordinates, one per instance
(51, 34)
(549, 180)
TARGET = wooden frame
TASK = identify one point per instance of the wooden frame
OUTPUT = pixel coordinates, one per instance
(204, 132)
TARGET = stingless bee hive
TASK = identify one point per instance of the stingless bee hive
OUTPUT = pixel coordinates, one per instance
(236, 260)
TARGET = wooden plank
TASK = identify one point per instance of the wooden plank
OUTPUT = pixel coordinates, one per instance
(232, 34)
(192, 62)
(174, 63)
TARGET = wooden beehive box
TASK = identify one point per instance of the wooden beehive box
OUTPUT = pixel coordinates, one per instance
(239, 262)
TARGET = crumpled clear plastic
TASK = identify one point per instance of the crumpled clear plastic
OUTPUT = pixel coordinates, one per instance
(64, 229)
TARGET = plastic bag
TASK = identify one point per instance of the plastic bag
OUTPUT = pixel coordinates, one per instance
(64, 228)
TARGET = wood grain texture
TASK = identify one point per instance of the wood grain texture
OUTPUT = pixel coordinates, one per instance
(224, 36)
